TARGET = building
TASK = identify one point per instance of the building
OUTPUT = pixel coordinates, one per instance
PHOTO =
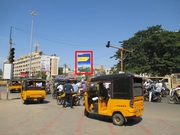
(39, 63)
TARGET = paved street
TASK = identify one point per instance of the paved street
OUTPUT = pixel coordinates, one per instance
(48, 118)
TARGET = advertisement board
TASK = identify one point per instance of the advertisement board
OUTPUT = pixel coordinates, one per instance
(84, 62)
(7, 71)
(45, 63)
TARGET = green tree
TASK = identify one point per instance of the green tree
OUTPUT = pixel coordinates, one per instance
(155, 51)
(41, 75)
(1, 72)
(60, 70)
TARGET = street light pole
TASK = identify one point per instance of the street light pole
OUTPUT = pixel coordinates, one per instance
(121, 53)
(32, 13)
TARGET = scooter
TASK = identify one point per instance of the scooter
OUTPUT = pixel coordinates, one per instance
(175, 97)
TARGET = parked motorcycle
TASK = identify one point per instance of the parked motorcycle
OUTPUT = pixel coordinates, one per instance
(61, 96)
(175, 97)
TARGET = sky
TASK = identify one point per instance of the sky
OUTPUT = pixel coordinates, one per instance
(62, 27)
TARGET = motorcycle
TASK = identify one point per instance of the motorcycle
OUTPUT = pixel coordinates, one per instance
(156, 98)
(175, 97)
(48, 90)
(61, 96)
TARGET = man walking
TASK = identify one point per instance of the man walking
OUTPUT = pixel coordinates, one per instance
(68, 88)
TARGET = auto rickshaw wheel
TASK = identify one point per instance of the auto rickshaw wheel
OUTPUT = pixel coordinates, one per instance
(86, 113)
(118, 119)
(25, 102)
(41, 101)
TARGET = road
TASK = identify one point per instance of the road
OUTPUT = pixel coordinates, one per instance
(49, 118)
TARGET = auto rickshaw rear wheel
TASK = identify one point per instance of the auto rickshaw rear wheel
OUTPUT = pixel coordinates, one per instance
(41, 101)
(86, 113)
(118, 119)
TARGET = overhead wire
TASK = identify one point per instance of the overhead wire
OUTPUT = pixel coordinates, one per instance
(60, 42)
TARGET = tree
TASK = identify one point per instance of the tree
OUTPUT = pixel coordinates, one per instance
(60, 70)
(1, 72)
(41, 75)
(155, 51)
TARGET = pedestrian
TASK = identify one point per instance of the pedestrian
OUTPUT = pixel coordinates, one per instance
(83, 86)
(150, 89)
(75, 87)
(68, 89)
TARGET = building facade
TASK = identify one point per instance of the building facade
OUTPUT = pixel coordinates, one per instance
(39, 63)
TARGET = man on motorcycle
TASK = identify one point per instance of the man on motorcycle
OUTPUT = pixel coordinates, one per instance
(158, 88)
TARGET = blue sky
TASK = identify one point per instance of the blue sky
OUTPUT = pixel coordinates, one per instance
(64, 26)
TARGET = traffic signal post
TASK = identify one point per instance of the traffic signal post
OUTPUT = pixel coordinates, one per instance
(121, 53)
(11, 55)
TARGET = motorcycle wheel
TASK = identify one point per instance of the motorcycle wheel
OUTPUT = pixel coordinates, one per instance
(159, 99)
(172, 100)
(76, 101)
(54, 96)
(60, 101)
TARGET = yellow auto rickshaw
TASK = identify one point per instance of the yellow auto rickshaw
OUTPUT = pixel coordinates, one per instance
(119, 96)
(15, 85)
(33, 90)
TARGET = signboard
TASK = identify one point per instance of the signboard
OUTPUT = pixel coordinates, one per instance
(84, 62)
(45, 63)
(24, 74)
(7, 71)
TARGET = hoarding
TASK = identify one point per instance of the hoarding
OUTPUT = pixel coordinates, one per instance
(45, 63)
(7, 71)
(84, 62)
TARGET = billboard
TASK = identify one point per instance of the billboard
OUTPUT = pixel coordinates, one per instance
(8, 71)
(45, 63)
(84, 62)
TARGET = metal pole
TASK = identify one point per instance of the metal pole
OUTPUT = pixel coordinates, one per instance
(10, 46)
(121, 53)
(121, 61)
(33, 13)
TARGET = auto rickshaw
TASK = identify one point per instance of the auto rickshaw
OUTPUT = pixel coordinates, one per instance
(33, 90)
(15, 85)
(119, 96)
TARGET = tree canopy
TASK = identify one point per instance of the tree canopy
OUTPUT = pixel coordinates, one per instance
(155, 52)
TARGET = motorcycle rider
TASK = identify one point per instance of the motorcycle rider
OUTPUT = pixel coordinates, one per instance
(158, 88)
(175, 89)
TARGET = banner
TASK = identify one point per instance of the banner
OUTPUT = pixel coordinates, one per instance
(84, 62)
(45, 63)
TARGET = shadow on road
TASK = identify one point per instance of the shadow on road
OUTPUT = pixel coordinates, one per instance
(130, 122)
(36, 102)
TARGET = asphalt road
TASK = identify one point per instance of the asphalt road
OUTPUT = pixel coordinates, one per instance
(49, 118)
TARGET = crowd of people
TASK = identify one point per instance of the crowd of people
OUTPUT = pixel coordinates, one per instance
(70, 87)
(154, 87)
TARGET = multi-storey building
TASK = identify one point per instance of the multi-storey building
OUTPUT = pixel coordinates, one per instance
(39, 63)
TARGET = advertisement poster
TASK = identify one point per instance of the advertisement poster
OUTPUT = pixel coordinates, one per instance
(84, 62)
(45, 63)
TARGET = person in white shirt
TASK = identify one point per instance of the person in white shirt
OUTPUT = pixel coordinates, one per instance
(158, 88)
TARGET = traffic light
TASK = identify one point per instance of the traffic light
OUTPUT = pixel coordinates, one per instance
(11, 55)
(108, 44)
